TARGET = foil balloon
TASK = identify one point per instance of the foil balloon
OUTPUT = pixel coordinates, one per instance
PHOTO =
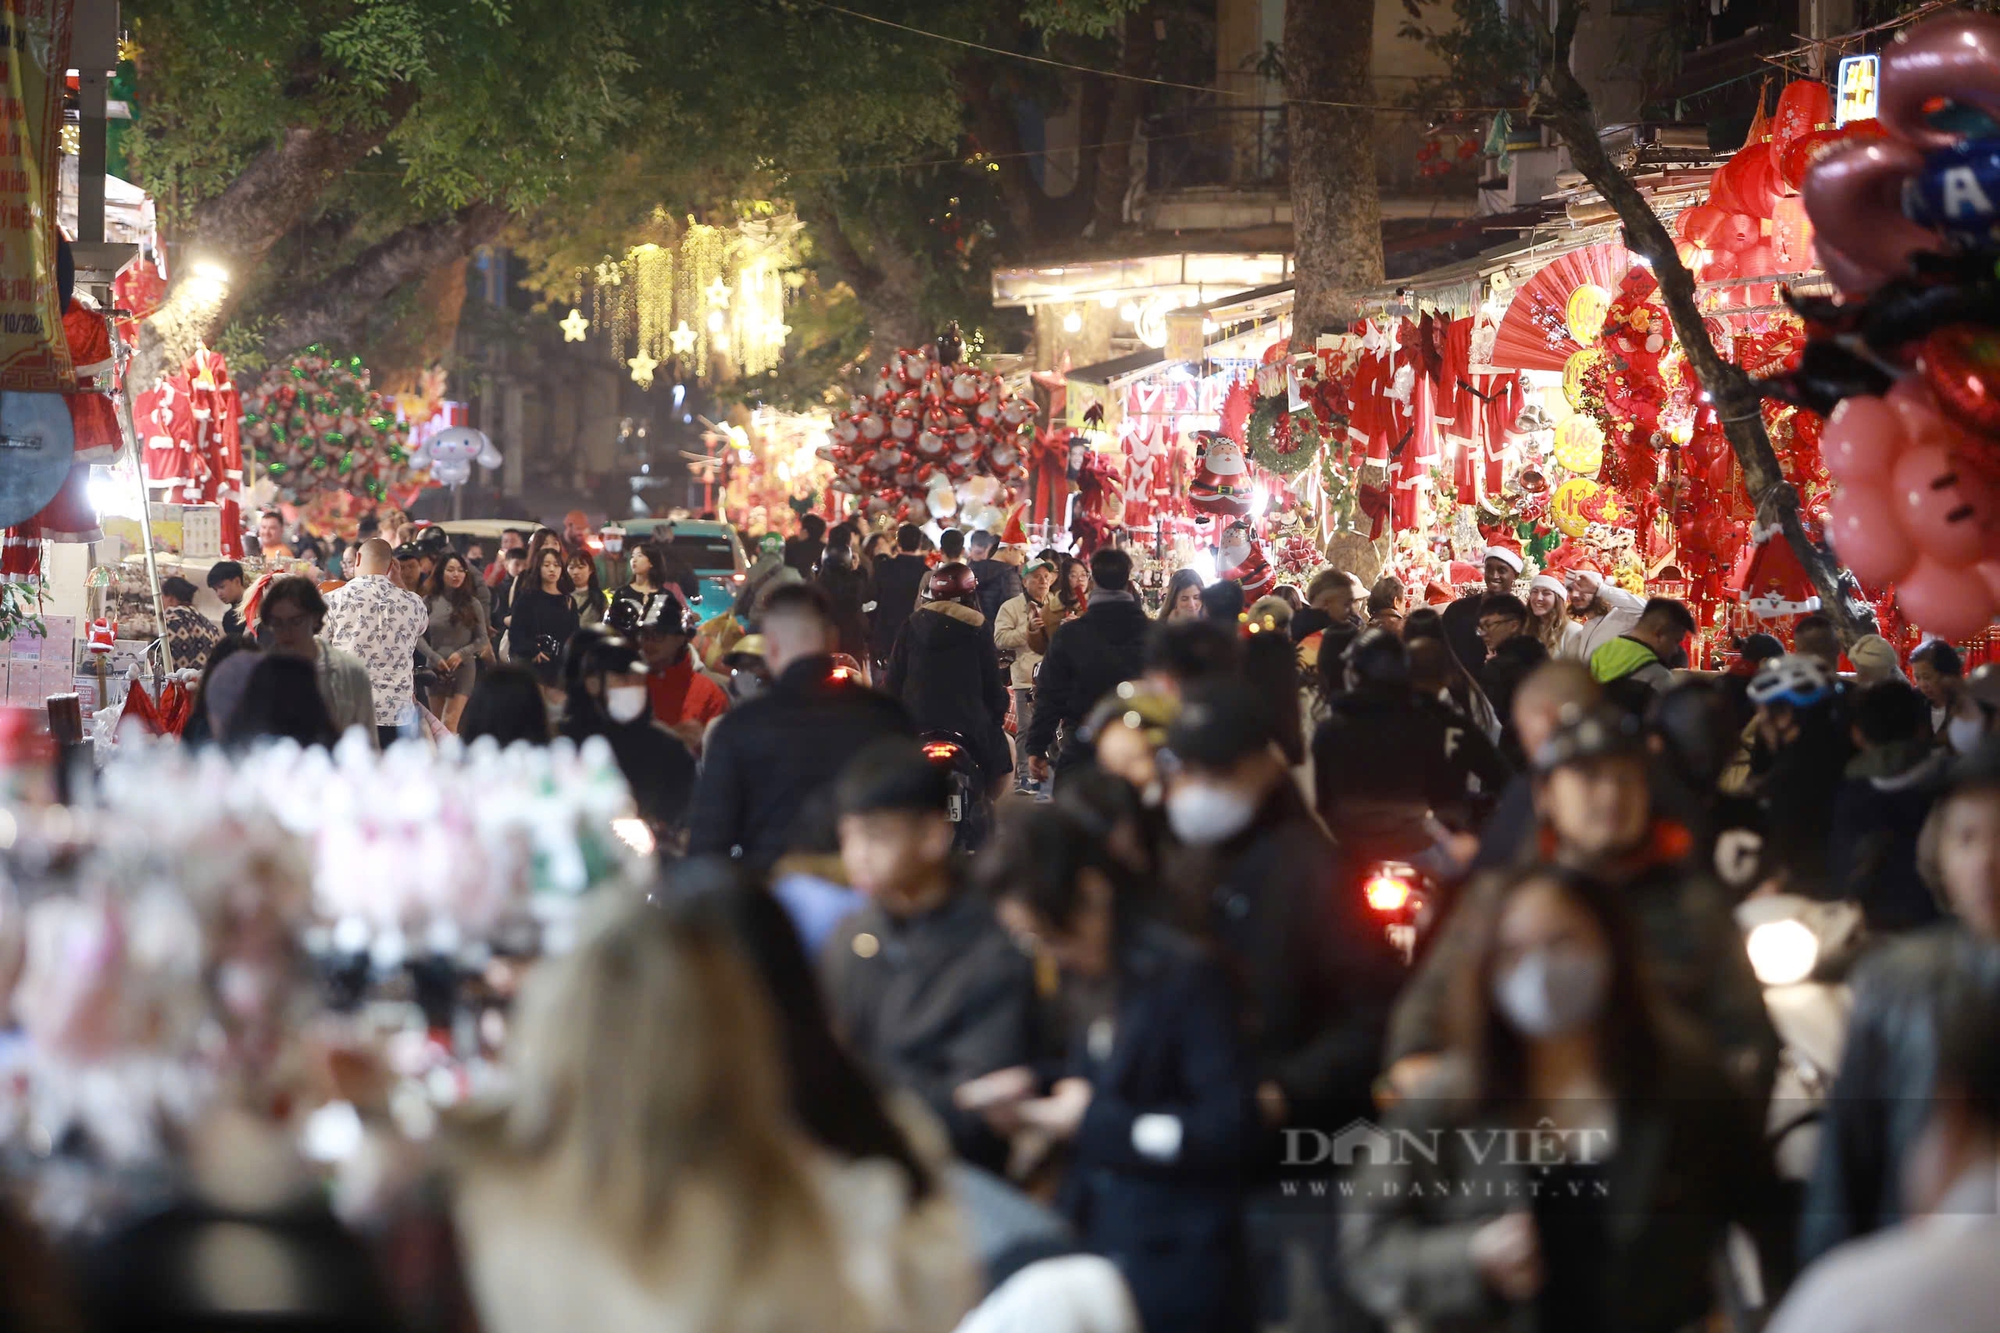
(1957, 194)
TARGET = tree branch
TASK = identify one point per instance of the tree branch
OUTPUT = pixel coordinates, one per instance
(1736, 399)
(334, 310)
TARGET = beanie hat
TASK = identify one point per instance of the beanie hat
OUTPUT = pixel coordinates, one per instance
(1507, 553)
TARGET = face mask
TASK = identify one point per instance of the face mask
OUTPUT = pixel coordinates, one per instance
(745, 685)
(1202, 815)
(1553, 992)
(1965, 733)
(625, 703)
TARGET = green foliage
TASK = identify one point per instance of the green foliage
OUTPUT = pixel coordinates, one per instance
(1092, 18)
(1494, 59)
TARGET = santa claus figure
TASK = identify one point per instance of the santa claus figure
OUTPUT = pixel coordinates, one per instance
(1243, 561)
(1221, 485)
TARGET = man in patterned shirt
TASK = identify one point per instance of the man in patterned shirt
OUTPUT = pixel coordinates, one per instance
(383, 626)
(190, 634)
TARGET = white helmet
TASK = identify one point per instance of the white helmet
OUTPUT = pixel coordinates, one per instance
(1793, 679)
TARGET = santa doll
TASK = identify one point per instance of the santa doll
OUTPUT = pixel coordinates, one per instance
(1221, 485)
(1243, 560)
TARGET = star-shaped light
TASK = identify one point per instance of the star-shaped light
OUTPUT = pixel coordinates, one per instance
(642, 370)
(682, 339)
(776, 331)
(574, 326)
(718, 293)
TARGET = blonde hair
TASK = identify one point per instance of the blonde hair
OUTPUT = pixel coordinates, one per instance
(648, 1102)
(1549, 628)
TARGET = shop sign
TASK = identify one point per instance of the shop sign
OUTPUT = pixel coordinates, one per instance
(1858, 90)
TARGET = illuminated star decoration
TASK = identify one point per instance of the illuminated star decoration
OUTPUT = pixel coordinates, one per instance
(718, 293)
(682, 339)
(574, 326)
(642, 370)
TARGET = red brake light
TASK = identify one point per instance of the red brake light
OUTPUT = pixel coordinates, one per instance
(1386, 892)
(937, 750)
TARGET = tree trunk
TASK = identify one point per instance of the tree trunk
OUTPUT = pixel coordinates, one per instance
(1336, 207)
(1734, 396)
(1121, 126)
(888, 286)
(334, 310)
(236, 229)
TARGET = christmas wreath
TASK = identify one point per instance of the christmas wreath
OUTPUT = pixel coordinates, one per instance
(1283, 441)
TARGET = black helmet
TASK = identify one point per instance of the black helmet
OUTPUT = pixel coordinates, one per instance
(623, 615)
(1603, 733)
(433, 541)
(1378, 663)
(666, 613)
(408, 551)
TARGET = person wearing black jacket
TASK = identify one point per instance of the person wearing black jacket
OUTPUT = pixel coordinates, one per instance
(1502, 566)
(803, 551)
(847, 587)
(543, 617)
(899, 581)
(924, 984)
(1383, 751)
(607, 697)
(999, 582)
(1880, 807)
(1512, 653)
(947, 672)
(1088, 658)
(769, 763)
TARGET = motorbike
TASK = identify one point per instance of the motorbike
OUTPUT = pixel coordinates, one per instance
(971, 807)
(1801, 950)
(1401, 859)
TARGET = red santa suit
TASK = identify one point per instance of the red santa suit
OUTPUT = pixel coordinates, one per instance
(1221, 485)
(218, 416)
(1246, 564)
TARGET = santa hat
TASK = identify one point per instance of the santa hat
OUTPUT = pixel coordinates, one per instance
(1508, 553)
(1550, 583)
(1589, 573)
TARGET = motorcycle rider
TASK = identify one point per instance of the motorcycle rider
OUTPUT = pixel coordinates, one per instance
(946, 671)
(1593, 801)
(606, 696)
(1089, 657)
(1808, 752)
(770, 761)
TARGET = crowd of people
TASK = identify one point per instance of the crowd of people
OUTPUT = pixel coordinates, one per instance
(1152, 1055)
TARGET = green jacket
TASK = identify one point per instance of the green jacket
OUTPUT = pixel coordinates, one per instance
(1625, 657)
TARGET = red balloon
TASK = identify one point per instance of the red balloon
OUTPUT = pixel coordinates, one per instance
(1946, 510)
(1953, 604)
(1862, 525)
(1862, 439)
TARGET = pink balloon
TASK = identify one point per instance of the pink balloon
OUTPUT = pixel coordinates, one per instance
(1862, 525)
(1916, 403)
(1956, 56)
(1861, 440)
(1854, 196)
(1990, 571)
(1953, 604)
(1945, 509)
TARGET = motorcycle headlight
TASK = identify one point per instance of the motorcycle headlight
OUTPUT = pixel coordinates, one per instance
(1782, 953)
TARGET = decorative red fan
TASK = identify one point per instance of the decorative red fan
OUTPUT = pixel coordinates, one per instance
(1534, 333)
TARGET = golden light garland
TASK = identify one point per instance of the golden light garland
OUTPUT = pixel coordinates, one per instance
(711, 298)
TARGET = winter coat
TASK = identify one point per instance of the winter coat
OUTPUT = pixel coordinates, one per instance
(1313, 974)
(947, 673)
(899, 586)
(850, 592)
(1512, 662)
(1461, 631)
(1878, 810)
(538, 613)
(802, 553)
(1600, 630)
(1888, 1072)
(1693, 947)
(1087, 659)
(1010, 635)
(1397, 749)
(1797, 796)
(1055, 612)
(928, 1002)
(1155, 1175)
(1630, 672)
(1687, 1159)
(656, 765)
(769, 763)
(999, 583)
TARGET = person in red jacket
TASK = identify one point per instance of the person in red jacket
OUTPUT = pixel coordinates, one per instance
(684, 699)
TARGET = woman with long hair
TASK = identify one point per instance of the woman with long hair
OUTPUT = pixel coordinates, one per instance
(1071, 598)
(507, 705)
(1154, 1099)
(1182, 600)
(641, 1172)
(544, 616)
(1548, 616)
(587, 591)
(281, 700)
(1643, 1152)
(201, 728)
(458, 634)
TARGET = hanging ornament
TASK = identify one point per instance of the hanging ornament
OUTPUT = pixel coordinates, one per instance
(1576, 374)
(1579, 445)
(1585, 312)
(574, 326)
(643, 367)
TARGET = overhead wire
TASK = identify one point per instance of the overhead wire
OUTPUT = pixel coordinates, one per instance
(1146, 79)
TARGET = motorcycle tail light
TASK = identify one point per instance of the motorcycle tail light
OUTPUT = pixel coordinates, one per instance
(1386, 892)
(939, 751)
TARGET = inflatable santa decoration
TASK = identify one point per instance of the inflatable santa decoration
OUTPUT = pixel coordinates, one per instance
(1221, 485)
(1243, 561)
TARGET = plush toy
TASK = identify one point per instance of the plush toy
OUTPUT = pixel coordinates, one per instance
(452, 452)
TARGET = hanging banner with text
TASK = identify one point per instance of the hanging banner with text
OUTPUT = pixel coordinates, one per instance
(34, 43)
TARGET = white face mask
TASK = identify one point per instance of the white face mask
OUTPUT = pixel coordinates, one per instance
(1202, 815)
(1553, 992)
(625, 703)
